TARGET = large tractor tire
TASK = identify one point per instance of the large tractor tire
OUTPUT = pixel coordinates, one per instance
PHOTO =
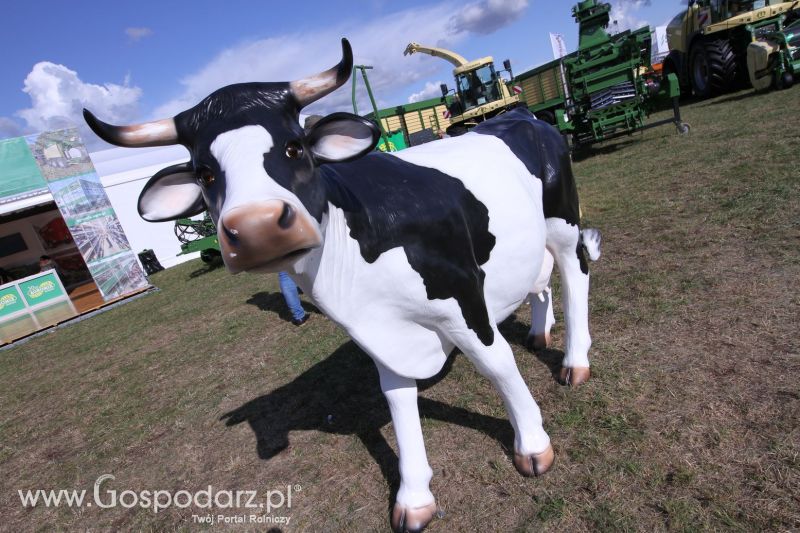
(547, 116)
(712, 68)
(669, 67)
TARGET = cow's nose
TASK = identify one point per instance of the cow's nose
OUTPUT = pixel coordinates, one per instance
(255, 235)
(252, 223)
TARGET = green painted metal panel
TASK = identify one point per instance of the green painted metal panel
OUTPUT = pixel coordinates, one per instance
(397, 142)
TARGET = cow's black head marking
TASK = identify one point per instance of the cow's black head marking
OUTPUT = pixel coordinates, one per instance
(281, 217)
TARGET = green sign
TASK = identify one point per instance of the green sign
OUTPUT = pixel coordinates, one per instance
(41, 289)
(10, 301)
(396, 142)
(20, 173)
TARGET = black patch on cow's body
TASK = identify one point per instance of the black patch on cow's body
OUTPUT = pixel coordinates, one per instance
(442, 227)
(582, 258)
(545, 154)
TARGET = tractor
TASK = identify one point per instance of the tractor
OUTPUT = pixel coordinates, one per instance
(720, 45)
(481, 92)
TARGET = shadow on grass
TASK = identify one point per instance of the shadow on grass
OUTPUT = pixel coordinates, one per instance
(211, 266)
(587, 151)
(516, 332)
(736, 97)
(274, 302)
(341, 395)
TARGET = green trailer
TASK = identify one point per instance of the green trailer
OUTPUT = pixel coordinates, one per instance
(413, 124)
(543, 89)
(606, 88)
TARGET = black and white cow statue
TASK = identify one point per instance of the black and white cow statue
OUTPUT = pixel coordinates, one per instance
(413, 253)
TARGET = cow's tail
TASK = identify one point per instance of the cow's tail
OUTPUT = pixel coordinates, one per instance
(591, 240)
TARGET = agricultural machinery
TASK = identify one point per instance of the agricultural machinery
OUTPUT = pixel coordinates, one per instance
(480, 91)
(198, 236)
(719, 45)
(604, 89)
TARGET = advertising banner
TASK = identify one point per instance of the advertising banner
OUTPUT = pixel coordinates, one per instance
(10, 301)
(41, 289)
(558, 45)
(62, 164)
(33, 303)
(20, 173)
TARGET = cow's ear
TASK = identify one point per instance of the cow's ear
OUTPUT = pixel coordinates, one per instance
(342, 137)
(170, 194)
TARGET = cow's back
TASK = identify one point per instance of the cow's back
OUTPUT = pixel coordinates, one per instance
(465, 210)
(545, 154)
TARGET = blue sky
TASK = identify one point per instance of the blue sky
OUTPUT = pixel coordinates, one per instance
(135, 61)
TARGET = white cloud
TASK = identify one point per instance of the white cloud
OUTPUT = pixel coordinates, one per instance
(58, 97)
(431, 90)
(379, 43)
(137, 34)
(58, 94)
(624, 14)
(487, 16)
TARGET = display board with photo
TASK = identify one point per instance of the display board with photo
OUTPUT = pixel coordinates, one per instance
(63, 161)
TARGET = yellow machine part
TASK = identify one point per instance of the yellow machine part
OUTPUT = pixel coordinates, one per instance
(431, 118)
(758, 62)
(751, 16)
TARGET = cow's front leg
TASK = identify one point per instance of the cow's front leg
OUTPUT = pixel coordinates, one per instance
(564, 242)
(415, 505)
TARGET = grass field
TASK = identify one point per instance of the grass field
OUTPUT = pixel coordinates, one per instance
(691, 420)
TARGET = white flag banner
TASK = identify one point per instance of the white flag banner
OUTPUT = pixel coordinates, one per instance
(558, 44)
(660, 44)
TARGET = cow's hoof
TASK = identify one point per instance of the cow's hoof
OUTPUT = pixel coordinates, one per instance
(405, 520)
(575, 376)
(540, 341)
(534, 464)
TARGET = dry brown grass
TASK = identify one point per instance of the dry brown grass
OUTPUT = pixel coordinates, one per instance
(689, 423)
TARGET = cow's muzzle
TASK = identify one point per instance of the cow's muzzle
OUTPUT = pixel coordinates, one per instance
(265, 236)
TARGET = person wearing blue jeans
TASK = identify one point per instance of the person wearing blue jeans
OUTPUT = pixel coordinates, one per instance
(289, 290)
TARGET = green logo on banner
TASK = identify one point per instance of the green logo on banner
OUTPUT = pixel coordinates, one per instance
(10, 301)
(41, 289)
(37, 291)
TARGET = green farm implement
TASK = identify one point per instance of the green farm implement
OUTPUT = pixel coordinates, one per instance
(606, 88)
(198, 236)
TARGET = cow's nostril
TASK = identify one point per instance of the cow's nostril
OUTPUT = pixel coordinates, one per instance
(287, 216)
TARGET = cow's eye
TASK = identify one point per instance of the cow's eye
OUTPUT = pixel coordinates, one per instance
(294, 150)
(206, 177)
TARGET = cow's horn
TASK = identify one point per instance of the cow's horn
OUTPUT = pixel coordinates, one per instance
(315, 87)
(156, 133)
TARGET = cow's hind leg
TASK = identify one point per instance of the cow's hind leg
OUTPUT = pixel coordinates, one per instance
(564, 242)
(540, 298)
(415, 505)
(533, 454)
